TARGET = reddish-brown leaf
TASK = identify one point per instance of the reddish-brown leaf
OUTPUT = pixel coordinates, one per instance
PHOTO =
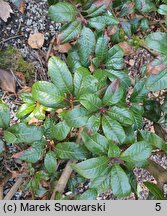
(102, 2)
(63, 48)
(7, 81)
(128, 50)
(155, 69)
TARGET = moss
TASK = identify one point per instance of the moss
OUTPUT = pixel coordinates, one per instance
(11, 58)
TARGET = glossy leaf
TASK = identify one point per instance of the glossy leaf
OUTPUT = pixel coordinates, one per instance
(113, 94)
(70, 32)
(122, 115)
(162, 9)
(4, 115)
(77, 117)
(93, 123)
(113, 129)
(114, 151)
(1, 146)
(95, 143)
(91, 102)
(24, 110)
(62, 12)
(137, 152)
(23, 133)
(47, 94)
(153, 189)
(60, 75)
(91, 168)
(137, 111)
(70, 150)
(119, 182)
(90, 194)
(86, 45)
(60, 131)
(158, 42)
(50, 162)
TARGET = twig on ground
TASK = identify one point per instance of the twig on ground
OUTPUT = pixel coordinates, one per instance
(10, 38)
(158, 172)
(2, 183)
(14, 189)
(50, 48)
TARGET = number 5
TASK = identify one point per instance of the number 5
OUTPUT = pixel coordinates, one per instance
(158, 207)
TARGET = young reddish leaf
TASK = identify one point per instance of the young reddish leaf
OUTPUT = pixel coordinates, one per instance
(63, 48)
(128, 50)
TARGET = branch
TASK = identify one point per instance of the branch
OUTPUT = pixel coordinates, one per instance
(14, 189)
(158, 172)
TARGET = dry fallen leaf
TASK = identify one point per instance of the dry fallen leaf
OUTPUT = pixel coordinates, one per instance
(102, 2)
(5, 10)
(111, 30)
(128, 50)
(7, 81)
(63, 48)
(34, 121)
(155, 69)
(36, 40)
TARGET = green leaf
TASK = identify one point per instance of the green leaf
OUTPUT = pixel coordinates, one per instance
(101, 183)
(137, 152)
(70, 32)
(154, 140)
(91, 102)
(70, 150)
(4, 115)
(113, 94)
(157, 82)
(119, 182)
(113, 130)
(101, 48)
(62, 12)
(27, 98)
(152, 106)
(91, 168)
(130, 135)
(39, 112)
(94, 123)
(60, 75)
(126, 26)
(47, 94)
(77, 117)
(50, 162)
(145, 6)
(24, 110)
(153, 189)
(158, 42)
(114, 151)
(122, 115)
(145, 24)
(31, 155)
(121, 75)
(132, 180)
(84, 82)
(115, 58)
(73, 60)
(86, 45)
(162, 9)
(137, 111)
(60, 131)
(23, 133)
(139, 92)
(94, 11)
(95, 143)
(90, 194)
(1, 146)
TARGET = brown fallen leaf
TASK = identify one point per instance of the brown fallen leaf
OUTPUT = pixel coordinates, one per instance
(63, 48)
(7, 81)
(128, 50)
(102, 2)
(5, 10)
(155, 69)
(36, 40)
(21, 77)
(34, 121)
